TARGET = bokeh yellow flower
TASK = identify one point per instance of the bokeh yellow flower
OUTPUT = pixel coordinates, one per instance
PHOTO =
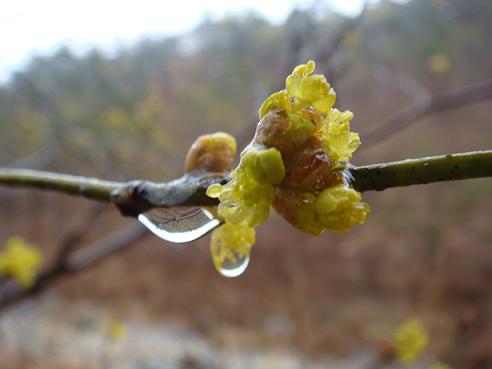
(439, 63)
(410, 339)
(20, 260)
(116, 331)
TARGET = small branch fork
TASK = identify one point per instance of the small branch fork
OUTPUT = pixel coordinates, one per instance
(135, 197)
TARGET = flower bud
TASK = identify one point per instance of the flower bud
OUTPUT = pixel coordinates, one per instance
(213, 153)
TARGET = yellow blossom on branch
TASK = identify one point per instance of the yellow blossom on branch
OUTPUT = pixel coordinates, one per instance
(316, 143)
(20, 260)
(296, 163)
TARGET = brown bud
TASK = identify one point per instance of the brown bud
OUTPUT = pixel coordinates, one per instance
(297, 208)
(309, 168)
(286, 133)
(213, 152)
(271, 132)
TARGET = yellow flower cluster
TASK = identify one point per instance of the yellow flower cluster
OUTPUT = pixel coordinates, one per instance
(410, 339)
(323, 145)
(20, 261)
(295, 163)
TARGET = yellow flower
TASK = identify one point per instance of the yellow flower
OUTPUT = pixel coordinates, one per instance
(410, 339)
(310, 89)
(336, 208)
(339, 208)
(247, 198)
(20, 261)
(115, 330)
(231, 245)
(339, 143)
(277, 101)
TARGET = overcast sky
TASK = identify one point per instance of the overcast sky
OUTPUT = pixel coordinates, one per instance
(29, 27)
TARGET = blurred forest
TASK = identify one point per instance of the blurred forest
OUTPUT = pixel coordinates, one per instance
(425, 252)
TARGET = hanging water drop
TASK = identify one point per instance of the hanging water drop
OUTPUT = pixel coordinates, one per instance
(179, 225)
(230, 247)
(235, 266)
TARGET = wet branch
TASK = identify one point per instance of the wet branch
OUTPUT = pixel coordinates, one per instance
(131, 198)
(450, 167)
(135, 197)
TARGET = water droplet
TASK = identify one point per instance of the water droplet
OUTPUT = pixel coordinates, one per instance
(179, 225)
(234, 267)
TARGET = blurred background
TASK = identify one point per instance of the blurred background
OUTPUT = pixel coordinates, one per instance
(121, 91)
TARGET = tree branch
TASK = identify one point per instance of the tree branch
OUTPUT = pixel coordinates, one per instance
(135, 197)
(91, 188)
(431, 104)
(132, 198)
(450, 167)
(11, 292)
(189, 190)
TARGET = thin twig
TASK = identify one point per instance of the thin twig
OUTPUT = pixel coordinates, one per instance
(11, 292)
(76, 232)
(100, 249)
(432, 104)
